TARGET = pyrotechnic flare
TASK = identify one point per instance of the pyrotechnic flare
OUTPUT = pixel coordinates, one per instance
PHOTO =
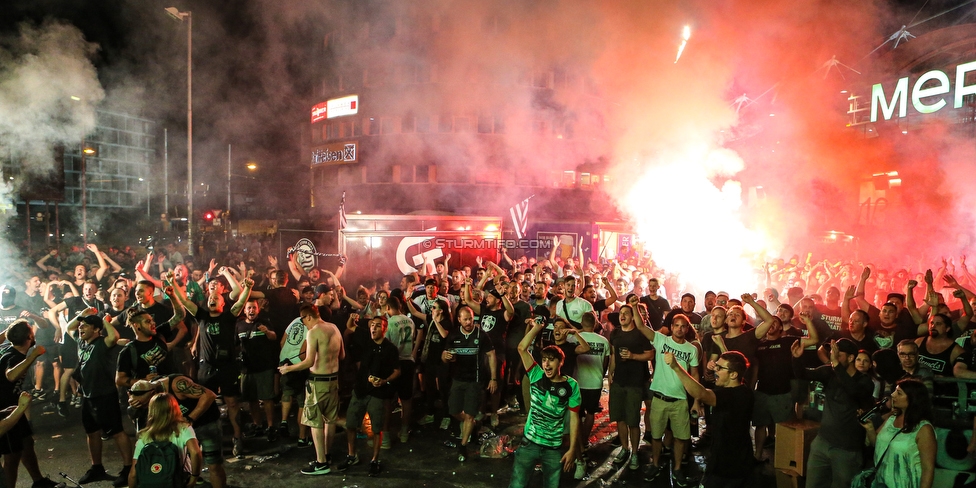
(685, 35)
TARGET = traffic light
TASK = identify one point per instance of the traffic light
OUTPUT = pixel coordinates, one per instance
(208, 215)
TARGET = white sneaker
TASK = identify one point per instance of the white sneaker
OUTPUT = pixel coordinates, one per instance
(445, 423)
(634, 462)
(580, 470)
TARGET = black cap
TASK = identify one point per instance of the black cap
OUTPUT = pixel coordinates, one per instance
(847, 346)
(322, 288)
(430, 281)
(94, 321)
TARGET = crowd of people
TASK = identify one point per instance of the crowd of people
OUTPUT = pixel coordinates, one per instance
(159, 338)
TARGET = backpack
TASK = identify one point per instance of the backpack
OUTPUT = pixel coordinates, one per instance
(160, 465)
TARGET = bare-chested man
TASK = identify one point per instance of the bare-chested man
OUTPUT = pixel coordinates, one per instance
(323, 351)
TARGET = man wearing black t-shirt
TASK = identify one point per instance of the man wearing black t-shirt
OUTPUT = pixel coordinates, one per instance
(259, 345)
(147, 357)
(464, 350)
(732, 408)
(377, 367)
(216, 344)
(656, 305)
(628, 375)
(69, 347)
(100, 413)
(17, 445)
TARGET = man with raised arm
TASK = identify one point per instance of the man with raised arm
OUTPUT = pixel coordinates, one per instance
(216, 344)
(552, 394)
(323, 351)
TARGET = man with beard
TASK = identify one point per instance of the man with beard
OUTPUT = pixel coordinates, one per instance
(939, 352)
(465, 349)
(731, 403)
(216, 344)
(830, 312)
(259, 346)
(100, 413)
(687, 309)
(146, 357)
(81, 271)
(69, 347)
(892, 322)
(17, 445)
(495, 314)
(670, 404)
(169, 323)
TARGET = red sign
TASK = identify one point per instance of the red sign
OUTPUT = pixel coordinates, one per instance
(320, 112)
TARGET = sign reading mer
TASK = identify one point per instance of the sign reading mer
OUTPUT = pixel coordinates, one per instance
(922, 96)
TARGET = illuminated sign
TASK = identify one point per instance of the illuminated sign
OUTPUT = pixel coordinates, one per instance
(319, 112)
(340, 152)
(933, 83)
(337, 107)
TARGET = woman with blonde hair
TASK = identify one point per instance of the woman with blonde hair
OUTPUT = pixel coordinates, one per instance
(164, 424)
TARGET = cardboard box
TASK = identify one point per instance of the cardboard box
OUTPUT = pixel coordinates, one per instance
(793, 441)
(788, 479)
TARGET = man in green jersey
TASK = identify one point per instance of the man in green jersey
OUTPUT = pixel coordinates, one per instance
(551, 395)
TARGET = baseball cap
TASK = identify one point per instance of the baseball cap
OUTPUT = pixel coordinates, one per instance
(322, 288)
(847, 346)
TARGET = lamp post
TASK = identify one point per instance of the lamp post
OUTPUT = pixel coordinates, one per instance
(85, 151)
(251, 167)
(186, 17)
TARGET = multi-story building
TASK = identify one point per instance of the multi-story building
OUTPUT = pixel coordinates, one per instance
(436, 113)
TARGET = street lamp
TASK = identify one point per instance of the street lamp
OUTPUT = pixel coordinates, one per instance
(251, 166)
(185, 17)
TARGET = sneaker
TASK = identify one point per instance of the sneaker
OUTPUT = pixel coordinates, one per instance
(651, 472)
(38, 395)
(47, 483)
(316, 469)
(445, 423)
(427, 420)
(63, 409)
(404, 436)
(252, 431)
(303, 443)
(94, 473)
(238, 449)
(679, 478)
(634, 462)
(123, 478)
(374, 468)
(580, 472)
(76, 401)
(622, 456)
(272, 434)
(283, 430)
(462, 453)
(350, 461)
(386, 441)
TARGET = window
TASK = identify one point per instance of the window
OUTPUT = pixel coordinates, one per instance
(444, 123)
(357, 127)
(422, 174)
(379, 174)
(423, 124)
(374, 126)
(462, 124)
(386, 125)
(499, 124)
(407, 123)
(484, 124)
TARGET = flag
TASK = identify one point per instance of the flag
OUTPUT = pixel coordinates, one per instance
(342, 212)
(520, 218)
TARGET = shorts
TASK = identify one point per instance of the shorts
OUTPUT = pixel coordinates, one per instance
(772, 409)
(625, 404)
(663, 411)
(321, 400)
(465, 397)
(101, 414)
(52, 353)
(211, 440)
(360, 406)
(258, 386)
(69, 355)
(13, 441)
(590, 402)
(224, 379)
(293, 386)
(404, 382)
(800, 390)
